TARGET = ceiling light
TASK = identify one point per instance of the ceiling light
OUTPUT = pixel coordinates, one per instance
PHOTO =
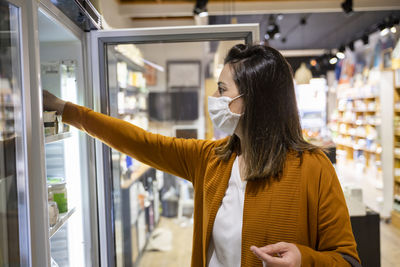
(200, 8)
(333, 60)
(393, 29)
(347, 6)
(203, 14)
(313, 62)
(340, 55)
(384, 31)
(351, 45)
(272, 32)
(279, 17)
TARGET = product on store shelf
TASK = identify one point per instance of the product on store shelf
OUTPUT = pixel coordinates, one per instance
(50, 123)
(59, 191)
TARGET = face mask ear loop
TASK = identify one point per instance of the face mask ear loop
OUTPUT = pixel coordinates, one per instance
(233, 99)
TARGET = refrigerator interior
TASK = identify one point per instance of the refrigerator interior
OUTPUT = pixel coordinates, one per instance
(66, 149)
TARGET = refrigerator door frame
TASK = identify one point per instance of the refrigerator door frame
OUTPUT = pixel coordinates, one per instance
(26, 246)
(38, 219)
(99, 39)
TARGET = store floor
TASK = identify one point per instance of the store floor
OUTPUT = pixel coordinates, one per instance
(372, 194)
(180, 255)
(182, 246)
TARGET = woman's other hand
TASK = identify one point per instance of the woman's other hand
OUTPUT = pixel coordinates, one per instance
(52, 103)
(281, 254)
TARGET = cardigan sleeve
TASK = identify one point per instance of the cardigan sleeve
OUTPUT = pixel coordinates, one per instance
(177, 156)
(336, 245)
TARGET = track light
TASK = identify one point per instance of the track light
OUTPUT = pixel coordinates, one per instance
(272, 32)
(384, 31)
(340, 53)
(351, 45)
(393, 29)
(365, 39)
(200, 8)
(332, 59)
(347, 6)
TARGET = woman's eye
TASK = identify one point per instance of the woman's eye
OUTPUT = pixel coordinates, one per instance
(221, 90)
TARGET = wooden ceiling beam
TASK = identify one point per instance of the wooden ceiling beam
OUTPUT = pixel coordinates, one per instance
(185, 8)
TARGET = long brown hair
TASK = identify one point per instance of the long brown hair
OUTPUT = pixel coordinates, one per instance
(270, 123)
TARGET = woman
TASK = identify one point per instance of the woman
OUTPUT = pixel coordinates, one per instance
(263, 196)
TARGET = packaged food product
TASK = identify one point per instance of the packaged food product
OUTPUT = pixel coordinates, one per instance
(59, 191)
(49, 116)
(50, 123)
(53, 213)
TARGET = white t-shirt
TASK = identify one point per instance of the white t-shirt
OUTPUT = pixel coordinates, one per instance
(226, 239)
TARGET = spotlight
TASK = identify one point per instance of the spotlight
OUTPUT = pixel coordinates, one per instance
(393, 29)
(279, 16)
(313, 62)
(303, 21)
(365, 39)
(273, 32)
(333, 60)
(200, 8)
(351, 45)
(384, 31)
(340, 53)
(347, 6)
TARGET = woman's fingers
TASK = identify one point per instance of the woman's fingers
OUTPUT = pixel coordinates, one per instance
(274, 249)
(52, 103)
(273, 261)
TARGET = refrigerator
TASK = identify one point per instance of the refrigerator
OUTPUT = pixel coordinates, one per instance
(103, 219)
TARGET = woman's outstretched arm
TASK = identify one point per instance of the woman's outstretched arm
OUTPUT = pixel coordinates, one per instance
(180, 157)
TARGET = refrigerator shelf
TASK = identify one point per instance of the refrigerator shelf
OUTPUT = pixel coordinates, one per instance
(57, 137)
(61, 221)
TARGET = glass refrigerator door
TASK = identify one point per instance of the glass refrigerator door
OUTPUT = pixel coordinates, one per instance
(14, 231)
(71, 211)
(128, 201)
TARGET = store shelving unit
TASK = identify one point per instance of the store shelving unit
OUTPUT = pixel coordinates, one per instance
(395, 215)
(363, 132)
(357, 122)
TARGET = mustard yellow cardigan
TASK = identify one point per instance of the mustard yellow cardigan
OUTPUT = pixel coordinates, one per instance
(306, 207)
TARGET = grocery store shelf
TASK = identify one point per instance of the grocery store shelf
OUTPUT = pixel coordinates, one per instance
(132, 65)
(57, 137)
(363, 149)
(63, 218)
(359, 97)
(397, 179)
(358, 123)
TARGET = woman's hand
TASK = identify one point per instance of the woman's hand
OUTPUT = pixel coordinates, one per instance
(281, 254)
(52, 103)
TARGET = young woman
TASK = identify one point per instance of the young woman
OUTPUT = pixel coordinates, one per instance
(263, 195)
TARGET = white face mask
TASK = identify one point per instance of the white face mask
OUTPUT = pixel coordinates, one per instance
(221, 115)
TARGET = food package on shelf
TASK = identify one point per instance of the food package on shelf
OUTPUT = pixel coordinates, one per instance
(50, 123)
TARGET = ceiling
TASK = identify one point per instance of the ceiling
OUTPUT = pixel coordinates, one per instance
(322, 30)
